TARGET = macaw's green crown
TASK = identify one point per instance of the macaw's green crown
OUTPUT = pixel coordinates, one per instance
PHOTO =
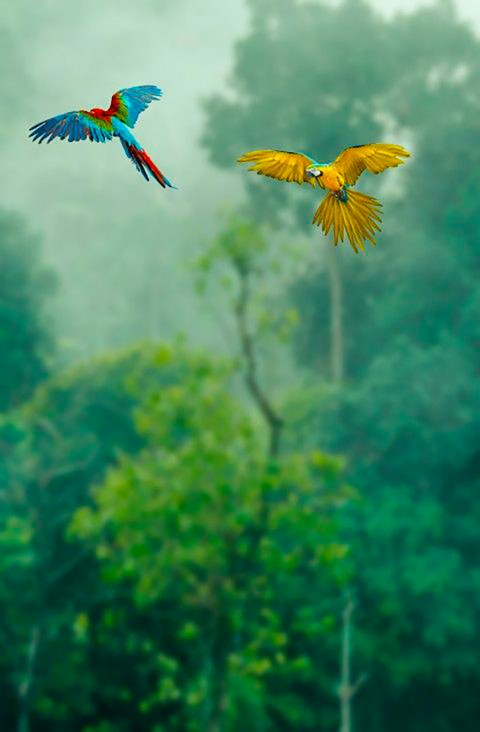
(315, 170)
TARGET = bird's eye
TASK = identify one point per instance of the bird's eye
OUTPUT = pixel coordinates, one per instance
(320, 173)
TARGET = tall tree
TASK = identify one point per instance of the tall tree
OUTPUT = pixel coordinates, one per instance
(25, 335)
(235, 563)
(51, 450)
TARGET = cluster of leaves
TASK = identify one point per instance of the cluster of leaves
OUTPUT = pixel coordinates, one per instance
(52, 448)
(228, 557)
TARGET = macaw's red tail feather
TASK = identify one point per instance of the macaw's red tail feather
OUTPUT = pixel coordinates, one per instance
(152, 168)
(357, 216)
(145, 164)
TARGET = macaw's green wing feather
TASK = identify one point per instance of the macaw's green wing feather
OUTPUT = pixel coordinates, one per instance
(279, 164)
(375, 157)
(127, 104)
(73, 126)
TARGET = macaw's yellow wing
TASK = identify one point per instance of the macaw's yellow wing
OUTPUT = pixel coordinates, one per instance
(375, 158)
(289, 166)
(358, 217)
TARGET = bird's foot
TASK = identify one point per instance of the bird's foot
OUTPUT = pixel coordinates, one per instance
(342, 194)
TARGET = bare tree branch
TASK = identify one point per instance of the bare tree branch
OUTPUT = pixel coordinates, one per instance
(274, 421)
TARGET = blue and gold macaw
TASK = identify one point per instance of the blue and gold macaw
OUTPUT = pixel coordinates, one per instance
(348, 212)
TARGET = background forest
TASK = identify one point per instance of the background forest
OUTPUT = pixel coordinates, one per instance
(239, 468)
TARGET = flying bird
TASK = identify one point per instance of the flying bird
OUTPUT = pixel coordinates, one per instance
(347, 211)
(101, 125)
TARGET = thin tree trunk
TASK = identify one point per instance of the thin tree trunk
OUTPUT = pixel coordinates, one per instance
(347, 690)
(26, 686)
(337, 357)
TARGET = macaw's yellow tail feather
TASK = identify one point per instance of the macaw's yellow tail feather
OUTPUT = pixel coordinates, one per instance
(358, 217)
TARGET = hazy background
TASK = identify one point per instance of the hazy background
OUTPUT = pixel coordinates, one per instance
(61, 58)
(239, 468)
(92, 51)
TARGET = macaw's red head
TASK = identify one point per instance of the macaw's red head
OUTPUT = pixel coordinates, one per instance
(98, 112)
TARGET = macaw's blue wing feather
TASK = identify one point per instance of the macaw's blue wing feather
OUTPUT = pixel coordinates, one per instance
(127, 104)
(73, 126)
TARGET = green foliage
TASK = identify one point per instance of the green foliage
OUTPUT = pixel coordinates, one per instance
(215, 575)
(236, 561)
(53, 449)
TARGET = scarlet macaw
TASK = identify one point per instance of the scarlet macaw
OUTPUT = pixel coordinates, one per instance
(350, 212)
(100, 125)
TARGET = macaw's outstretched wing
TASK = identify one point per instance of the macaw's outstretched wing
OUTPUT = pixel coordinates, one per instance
(279, 164)
(375, 157)
(74, 126)
(127, 104)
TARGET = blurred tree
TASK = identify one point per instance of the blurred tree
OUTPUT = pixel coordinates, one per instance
(25, 339)
(234, 560)
(204, 629)
(50, 453)
(219, 535)
(241, 258)
(407, 413)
